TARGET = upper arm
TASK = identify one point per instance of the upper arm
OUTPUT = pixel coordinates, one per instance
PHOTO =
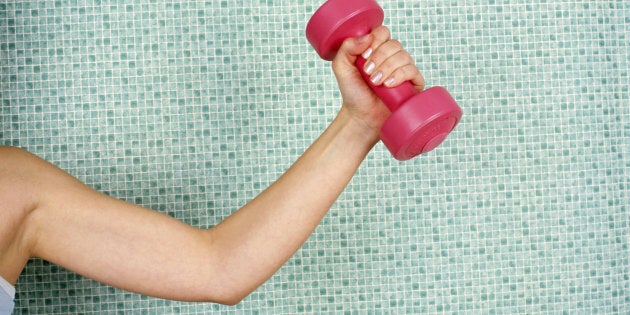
(16, 203)
(115, 242)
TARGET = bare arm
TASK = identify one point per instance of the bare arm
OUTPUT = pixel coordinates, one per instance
(143, 251)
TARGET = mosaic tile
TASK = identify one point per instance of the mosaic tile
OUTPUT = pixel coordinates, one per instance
(193, 108)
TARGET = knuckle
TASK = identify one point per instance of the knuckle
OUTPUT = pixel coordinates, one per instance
(414, 72)
(409, 71)
(386, 32)
(382, 33)
(396, 43)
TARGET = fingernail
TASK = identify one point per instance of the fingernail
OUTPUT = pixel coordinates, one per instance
(377, 77)
(369, 68)
(366, 54)
(363, 39)
(390, 81)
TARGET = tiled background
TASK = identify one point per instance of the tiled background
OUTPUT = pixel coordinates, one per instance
(193, 107)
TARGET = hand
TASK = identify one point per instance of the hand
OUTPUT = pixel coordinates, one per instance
(387, 63)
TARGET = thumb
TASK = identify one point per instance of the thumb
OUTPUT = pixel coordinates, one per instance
(347, 54)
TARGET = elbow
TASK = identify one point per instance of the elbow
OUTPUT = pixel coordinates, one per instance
(229, 297)
(228, 277)
(233, 300)
(217, 295)
(225, 292)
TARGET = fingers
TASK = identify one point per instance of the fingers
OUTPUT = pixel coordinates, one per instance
(346, 55)
(388, 63)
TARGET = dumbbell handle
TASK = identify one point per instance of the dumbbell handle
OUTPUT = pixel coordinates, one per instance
(392, 97)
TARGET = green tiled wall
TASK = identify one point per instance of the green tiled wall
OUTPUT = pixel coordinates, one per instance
(193, 107)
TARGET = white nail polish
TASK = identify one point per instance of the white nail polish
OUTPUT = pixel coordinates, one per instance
(363, 39)
(376, 77)
(366, 54)
(370, 68)
(389, 81)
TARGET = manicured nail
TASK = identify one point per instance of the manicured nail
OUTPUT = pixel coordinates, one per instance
(366, 54)
(369, 68)
(363, 39)
(389, 81)
(377, 77)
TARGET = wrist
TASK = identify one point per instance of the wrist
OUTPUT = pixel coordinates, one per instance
(358, 130)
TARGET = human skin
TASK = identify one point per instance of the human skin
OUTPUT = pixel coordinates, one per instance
(48, 214)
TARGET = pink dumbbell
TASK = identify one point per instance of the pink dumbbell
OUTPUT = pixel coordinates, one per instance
(419, 121)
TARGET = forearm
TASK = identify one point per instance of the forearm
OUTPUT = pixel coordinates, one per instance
(266, 232)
